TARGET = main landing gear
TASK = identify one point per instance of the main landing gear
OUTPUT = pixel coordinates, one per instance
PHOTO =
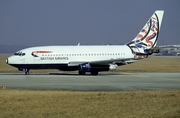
(82, 73)
(92, 72)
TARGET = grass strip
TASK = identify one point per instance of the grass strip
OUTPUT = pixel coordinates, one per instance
(49, 103)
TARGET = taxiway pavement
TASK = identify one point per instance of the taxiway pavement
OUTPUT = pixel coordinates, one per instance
(106, 81)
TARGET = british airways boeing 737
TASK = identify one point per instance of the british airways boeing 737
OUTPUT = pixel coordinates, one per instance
(92, 58)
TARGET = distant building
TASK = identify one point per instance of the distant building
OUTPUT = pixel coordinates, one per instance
(169, 50)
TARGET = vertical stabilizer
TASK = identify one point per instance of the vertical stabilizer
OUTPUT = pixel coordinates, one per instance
(147, 37)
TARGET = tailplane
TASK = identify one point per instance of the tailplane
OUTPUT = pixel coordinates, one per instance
(147, 37)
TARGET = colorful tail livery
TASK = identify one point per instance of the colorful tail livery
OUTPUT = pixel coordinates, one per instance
(93, 58)
(147, 37)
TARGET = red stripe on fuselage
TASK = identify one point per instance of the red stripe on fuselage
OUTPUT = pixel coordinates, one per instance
(42, 52)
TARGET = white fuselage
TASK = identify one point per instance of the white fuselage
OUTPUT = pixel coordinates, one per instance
(68, 54)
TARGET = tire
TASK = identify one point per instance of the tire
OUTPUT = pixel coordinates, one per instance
(82, 73)
(94, 73)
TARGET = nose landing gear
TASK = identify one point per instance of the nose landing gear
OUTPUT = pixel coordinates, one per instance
(27, 72)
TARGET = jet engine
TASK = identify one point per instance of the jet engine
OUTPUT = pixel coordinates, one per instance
(96, 68)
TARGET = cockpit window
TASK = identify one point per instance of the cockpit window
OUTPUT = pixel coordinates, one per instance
(16, 53)
(20, 54)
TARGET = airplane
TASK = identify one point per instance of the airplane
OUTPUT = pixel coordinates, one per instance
(91, 58)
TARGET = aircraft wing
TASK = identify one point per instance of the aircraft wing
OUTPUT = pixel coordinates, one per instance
(76, 63)
(120, 61)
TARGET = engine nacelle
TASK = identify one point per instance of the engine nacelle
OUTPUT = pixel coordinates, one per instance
(95, 68)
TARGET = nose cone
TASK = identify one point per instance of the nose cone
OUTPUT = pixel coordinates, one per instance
(7, 60)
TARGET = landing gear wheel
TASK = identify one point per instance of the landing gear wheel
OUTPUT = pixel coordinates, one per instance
(94, 73)
(82, 73)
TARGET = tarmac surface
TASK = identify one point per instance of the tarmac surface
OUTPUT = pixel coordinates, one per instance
(105, 81)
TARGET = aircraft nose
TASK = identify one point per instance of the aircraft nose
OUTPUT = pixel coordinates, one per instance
(7, 60)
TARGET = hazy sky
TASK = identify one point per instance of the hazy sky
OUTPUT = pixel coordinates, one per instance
(68, 22)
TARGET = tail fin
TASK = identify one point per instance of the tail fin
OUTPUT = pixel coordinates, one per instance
(147, 37)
